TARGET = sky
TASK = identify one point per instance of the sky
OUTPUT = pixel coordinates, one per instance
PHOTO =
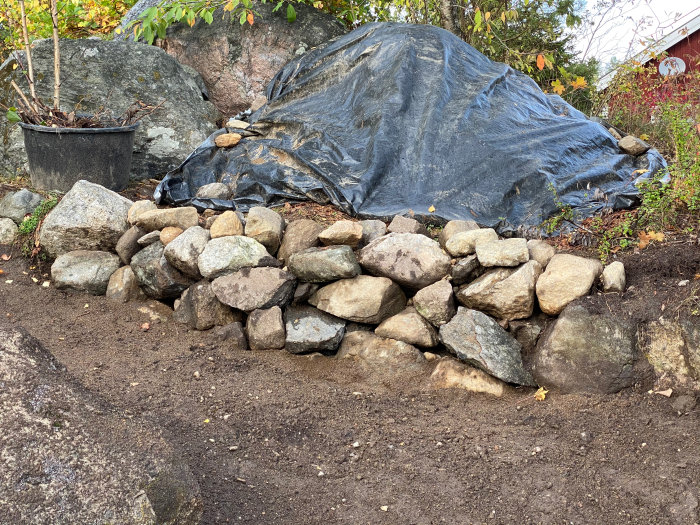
(617, 30)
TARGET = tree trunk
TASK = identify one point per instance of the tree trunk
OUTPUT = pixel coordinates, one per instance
(56, 57)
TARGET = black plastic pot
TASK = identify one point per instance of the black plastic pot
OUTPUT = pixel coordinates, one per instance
(58, 157)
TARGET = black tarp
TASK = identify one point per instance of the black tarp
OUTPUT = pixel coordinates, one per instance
(393, 118)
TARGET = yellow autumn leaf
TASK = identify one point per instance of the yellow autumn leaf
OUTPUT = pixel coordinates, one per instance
(644, 136)
(503, 16)
(487, 15)
(228, 7)
(431, 209)
(558, 87)
(206, 420)
(646, 237)
(118, 30)
(541, 393)
(579, 83)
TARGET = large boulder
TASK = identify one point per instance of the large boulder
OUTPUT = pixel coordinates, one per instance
(410, 259)
(566, 278)
(99, 74)
(319, 265)
(299, 236)
(70, 458)
(376, 350)
(311, 330)
(410, 327)
(672, 347)
(363, 299)
(586, 352)
(199, 308)
(156, 276)
(237, 61)
(231, 253)
(89, 217)
(266, 329)
(255, 288)
(84, 270)
(479, 341)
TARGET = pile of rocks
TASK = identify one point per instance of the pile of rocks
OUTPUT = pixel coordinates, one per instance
(359, 290)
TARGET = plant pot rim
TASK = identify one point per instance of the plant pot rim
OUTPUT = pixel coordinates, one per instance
(49, 129)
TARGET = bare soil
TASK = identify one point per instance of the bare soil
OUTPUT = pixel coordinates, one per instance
(284, 439)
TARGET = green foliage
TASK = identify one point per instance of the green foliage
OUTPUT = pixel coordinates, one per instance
(30, 224)
(566, 214)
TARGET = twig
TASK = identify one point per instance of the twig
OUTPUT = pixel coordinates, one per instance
(28, 51)
(56, 57)
(21, 94)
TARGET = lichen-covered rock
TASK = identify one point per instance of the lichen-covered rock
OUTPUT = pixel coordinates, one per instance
(85, 271)
(586, 352)
(410, 327)
(184, 251)
(266, 227)
(672, 348)
(251, 289)
(566, 278)
(436, 302)
(505, 293)
(450, 373)
(230, 254)
(199, 308)
(98, 74)
(123, 286)
(89, 217)
(15, 205)
(266, 329)
(8, 231)
(71, 458)
(410, 259)
(478, 340)
(311, 330)
(156, 276)
(320, 265)
(363, 299)
(299, 236)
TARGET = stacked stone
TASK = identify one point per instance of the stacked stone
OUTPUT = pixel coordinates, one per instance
(358, 290)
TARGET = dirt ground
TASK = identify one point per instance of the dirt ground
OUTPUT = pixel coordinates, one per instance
(284, 439)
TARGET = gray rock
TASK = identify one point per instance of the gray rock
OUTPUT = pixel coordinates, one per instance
(303, 292)
(231, 334)
(410, 327)
(182, 218)
(266, 329)
(183, 252)
(156, 276)
(566, 278)
(215, 190)
(672, 349)
(237, 62)
(318, 265)
(400, 224)
(613, 277)
(505, 293)
(466, 270)
(527, 332)
(17, 204)
(507, 252)
(633, 145)
(371, 229)
(363, 299)
(199, 308)
(453, 227)
(586, 352)
(410, 259)
(127, 245)
(478, 340)
(85, 271)
(299, 236)
(229, 254)
(450, 373)
(8, 231)
(369, 347)
(342, 232)
(541, 251)
(255, 288)
(123, 286)
(76, 459)
(92, 69)
(465, 242)
(436, 302)
(266, 227)
(311, 330)
(139, 207)
(148, 239)
(76, 225)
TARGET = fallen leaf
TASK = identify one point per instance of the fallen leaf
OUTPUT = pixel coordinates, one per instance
(206, 421)
(5, 257)
(133, 384)
(46, 284)
(431, 209)
(34, 279)
(646, 237)
(86, 306)
(665, 393)
(541, 394)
